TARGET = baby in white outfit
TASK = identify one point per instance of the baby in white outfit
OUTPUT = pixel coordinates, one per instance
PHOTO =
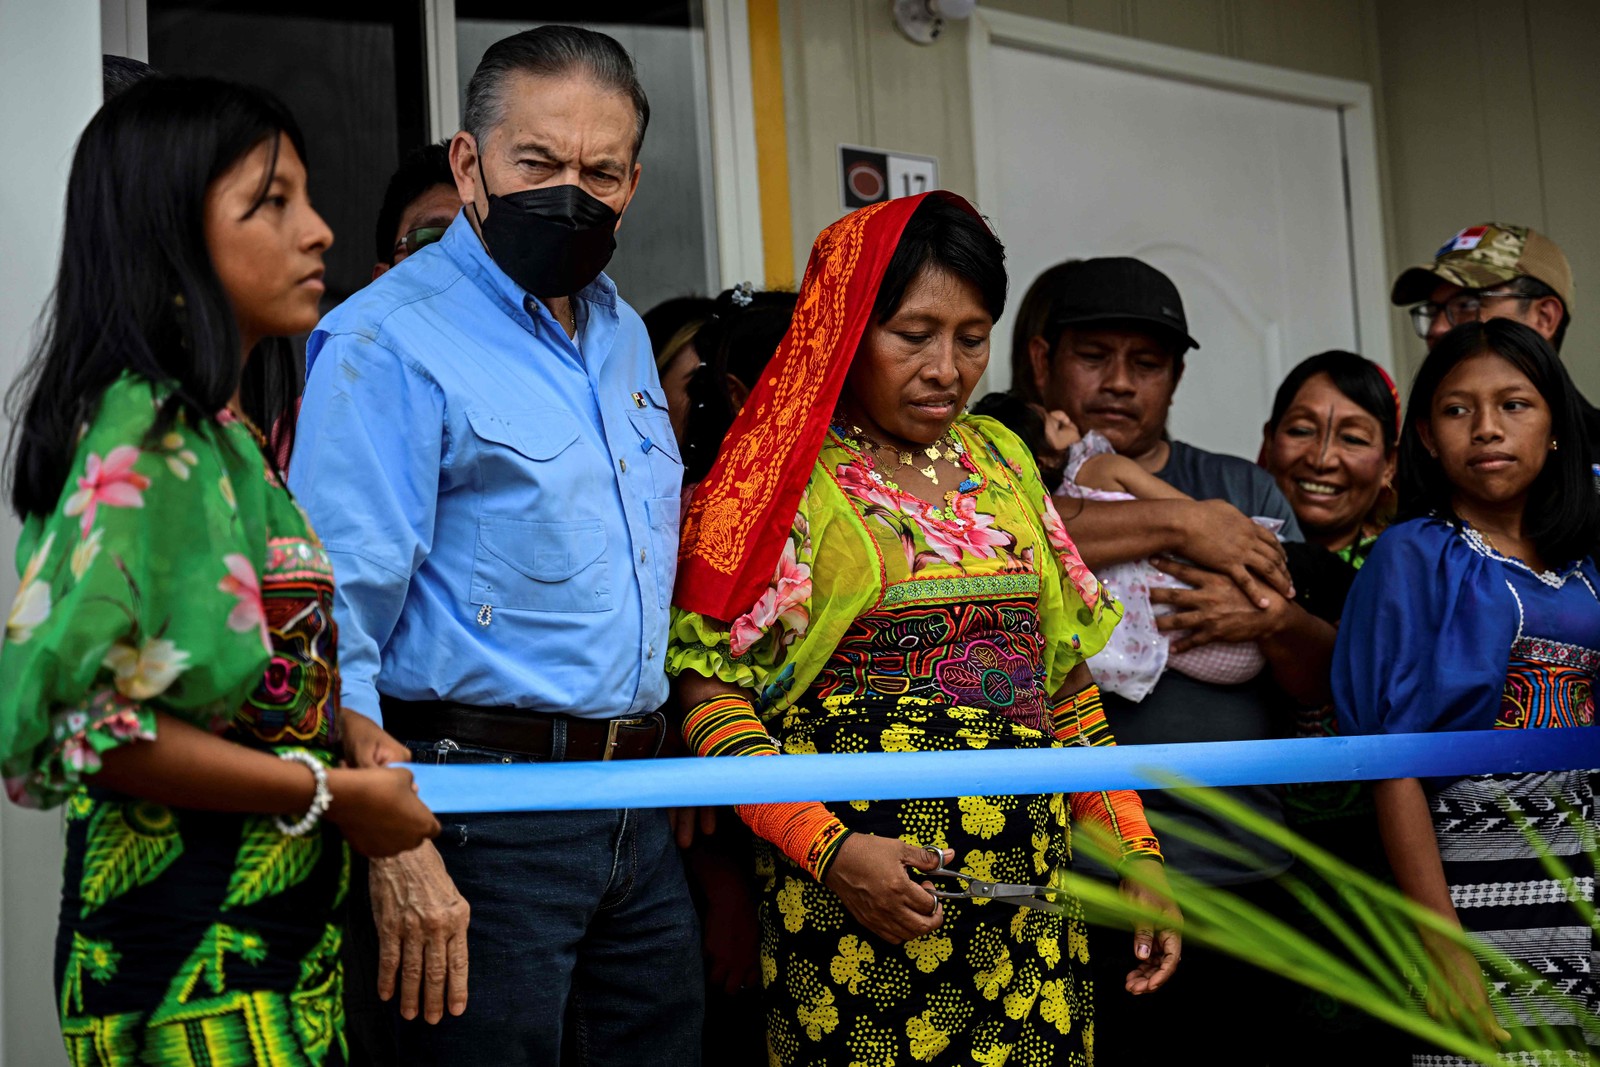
(1131, 664)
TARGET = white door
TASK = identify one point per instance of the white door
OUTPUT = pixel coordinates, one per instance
(1239, 198)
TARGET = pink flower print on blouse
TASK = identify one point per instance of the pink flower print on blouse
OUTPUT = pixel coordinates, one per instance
(1078, 573)
(859, 483)
(968, 533)
(111, 481)
(784, 602)
(248, 614)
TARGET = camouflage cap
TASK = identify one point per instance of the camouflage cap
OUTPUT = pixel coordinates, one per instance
(1481, 257)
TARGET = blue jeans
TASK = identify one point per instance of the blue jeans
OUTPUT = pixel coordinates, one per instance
(584, 946)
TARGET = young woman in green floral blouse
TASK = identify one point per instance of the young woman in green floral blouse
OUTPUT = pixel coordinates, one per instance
(169, 671)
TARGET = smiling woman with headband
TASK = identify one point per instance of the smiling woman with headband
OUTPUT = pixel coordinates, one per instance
(866, 569)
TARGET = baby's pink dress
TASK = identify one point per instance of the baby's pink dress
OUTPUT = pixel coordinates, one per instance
(1137, 654)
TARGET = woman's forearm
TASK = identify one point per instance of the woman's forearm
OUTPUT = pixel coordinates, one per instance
(1301, 656)
(693, 688)
(187, 767)
(1408, 838)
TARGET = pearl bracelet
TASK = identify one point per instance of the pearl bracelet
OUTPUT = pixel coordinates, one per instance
(321, 798)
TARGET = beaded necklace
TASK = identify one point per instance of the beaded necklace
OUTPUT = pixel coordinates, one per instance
(948, 447)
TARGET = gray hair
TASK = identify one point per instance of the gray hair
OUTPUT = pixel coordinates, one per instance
(545, 52)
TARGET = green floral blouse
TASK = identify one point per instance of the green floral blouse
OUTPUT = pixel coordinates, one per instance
(859, 546)
(144, 591)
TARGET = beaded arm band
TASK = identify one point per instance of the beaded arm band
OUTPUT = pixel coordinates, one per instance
(806, 832)
(1080, 719)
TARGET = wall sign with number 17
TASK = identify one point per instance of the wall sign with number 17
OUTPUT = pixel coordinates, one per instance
(872, 175)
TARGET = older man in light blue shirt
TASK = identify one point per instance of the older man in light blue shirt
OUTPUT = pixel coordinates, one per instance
(485, 450)
(501, 500)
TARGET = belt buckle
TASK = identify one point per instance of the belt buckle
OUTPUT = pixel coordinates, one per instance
(612, 740)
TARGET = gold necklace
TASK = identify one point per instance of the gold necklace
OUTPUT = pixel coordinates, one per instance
(1486, 539)
(251, 428)
(951, 452)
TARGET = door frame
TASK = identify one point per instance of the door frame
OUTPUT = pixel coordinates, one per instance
(736, 179)
(1351, 99)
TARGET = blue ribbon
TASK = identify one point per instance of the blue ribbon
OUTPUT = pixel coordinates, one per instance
(668, 783)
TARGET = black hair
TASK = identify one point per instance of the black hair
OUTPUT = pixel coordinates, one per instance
(942, 234)
(740, 338)
(1562, 515)
(1530, 289)
(136, 290)
(663, 321)
(744, 331)
(1022, 418)
(421, 170)
(118, 73)
(547, 52)
(1357, 377)
(1033, 316)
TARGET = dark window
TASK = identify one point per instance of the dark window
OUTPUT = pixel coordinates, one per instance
(353, 73)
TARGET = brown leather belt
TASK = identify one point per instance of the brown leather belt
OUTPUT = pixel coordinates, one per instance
(525, 733)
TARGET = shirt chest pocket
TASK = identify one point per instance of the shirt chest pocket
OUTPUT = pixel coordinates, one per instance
(525, 565)
(526, 467)
(658, 447)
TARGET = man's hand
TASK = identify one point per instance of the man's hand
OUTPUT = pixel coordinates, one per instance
(1220, 537)
(366, 744)
(1156, 945)
(732, 940)
(870, 875)
(422, 933)
(684, 821)
(1215, 610)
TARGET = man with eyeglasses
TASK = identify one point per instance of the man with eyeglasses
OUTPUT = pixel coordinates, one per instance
(1486, 272)
(418, 206)
(1494, 271)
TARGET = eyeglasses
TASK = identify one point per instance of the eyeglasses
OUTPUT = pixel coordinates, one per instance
(418, 238)
(1465, 306)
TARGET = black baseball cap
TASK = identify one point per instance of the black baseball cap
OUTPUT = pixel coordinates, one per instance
(1120, 289)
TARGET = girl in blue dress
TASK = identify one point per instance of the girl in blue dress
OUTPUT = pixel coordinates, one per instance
(1479, 611)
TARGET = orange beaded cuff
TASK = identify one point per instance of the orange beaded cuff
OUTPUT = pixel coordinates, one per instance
(726, 726)
(1080, 719)
(806, 832)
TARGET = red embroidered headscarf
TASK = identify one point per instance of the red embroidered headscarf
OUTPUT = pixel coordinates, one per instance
(741, 513)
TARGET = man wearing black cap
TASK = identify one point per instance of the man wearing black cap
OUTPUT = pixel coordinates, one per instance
(1111, 356)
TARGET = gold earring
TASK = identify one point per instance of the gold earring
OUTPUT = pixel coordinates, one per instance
(1554, 445)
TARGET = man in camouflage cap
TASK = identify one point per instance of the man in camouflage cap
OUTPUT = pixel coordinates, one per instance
(1490, 271)
(1496, 271)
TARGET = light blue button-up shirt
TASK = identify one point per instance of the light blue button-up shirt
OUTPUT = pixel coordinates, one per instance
(500, 504)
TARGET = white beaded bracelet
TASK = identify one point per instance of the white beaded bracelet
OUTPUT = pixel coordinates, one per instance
(320, 799)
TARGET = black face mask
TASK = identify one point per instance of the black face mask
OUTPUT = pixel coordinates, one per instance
(551, 241)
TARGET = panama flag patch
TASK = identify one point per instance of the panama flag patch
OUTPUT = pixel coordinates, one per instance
(1465, 241)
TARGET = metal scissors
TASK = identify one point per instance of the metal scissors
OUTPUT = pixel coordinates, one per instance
(1039, 897)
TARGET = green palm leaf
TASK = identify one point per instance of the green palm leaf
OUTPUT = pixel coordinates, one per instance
(1370, 953)
(128, 845)
(269, 862)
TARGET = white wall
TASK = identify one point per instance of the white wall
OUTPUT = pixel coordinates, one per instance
(49, 89)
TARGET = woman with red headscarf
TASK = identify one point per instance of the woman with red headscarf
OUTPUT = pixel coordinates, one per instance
(865, 569)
